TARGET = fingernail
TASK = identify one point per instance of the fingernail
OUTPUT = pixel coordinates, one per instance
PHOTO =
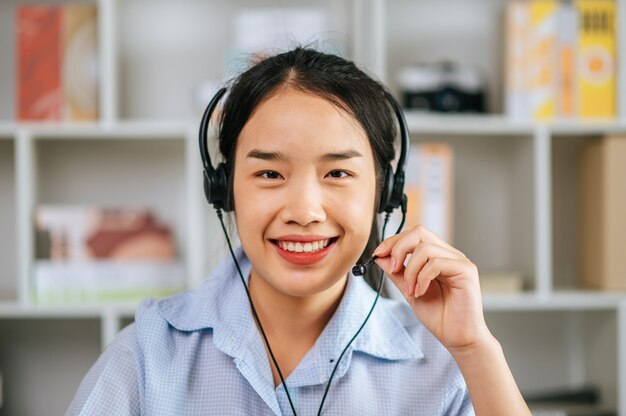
(417, 290)
(377, 251)
(393, 265)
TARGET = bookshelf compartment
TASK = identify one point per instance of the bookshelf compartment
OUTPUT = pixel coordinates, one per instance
(555, 350)
(493, 220)
(105, 172)
(569, 215)
(43, 361)
(8, 231)
(132, 173)
(467, 33)
(166, 50)
(565, 209)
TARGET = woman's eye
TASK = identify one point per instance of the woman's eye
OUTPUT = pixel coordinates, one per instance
(269, 174)
(339, 174)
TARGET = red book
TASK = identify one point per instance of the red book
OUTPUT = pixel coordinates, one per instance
(57, 77)
(40, 92)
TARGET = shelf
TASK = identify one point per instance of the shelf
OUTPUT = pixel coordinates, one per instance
(499, 125)
(7, 130)
(122, 130)
(418, 123)
(424, 123)
(587, 128)
(566, 300)
(11, 310)
(561, 301)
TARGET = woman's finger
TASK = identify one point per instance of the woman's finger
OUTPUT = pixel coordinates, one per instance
(447, 268)
(385, 264)
(416, 234)
(421, 254)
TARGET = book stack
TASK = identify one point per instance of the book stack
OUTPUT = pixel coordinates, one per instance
(560, 59)
(57, 70)
(96, 254)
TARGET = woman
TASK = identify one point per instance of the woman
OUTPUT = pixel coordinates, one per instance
(306, 138)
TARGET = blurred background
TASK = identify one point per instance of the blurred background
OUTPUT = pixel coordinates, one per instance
(517, 115)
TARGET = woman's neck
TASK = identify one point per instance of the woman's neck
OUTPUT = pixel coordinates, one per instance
(286, 316)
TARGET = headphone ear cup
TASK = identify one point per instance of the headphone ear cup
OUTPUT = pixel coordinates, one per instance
(385, 190)
(216, 187)
(222, 179)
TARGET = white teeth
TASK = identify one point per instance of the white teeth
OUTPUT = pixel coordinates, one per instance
(303, 247)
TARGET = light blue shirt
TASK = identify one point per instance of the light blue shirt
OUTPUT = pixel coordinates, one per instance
(200, 353)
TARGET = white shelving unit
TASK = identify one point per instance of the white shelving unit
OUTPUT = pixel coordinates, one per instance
(514, 183)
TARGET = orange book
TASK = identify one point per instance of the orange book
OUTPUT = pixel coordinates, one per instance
(39, 88)
(567, 33)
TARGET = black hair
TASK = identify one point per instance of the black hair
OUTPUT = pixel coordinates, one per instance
(328, 76)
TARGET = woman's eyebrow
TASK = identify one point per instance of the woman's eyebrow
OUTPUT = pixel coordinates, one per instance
(347, 154)
(328, 157)
(260, 154)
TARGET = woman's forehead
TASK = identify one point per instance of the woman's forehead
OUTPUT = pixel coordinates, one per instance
(296, 122)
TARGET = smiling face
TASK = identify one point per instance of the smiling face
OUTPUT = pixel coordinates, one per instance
(304, 191)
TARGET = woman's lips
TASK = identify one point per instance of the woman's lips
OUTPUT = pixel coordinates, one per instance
(305, 258)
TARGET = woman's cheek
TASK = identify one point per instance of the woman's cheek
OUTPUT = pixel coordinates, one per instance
(355, 215)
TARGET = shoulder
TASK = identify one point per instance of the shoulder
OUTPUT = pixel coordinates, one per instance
(114, 383)
(185, 311)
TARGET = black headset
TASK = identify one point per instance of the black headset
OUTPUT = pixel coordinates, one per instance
(216, 179)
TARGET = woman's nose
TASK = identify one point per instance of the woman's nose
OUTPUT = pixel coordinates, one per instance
(304, 203)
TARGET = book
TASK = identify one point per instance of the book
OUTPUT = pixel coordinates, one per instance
(428, 186)
(566, 45)
(80, 62)
(602, 224)
(596, 75)
(517, 28)
(542, 58)
(39, 91)
(503, 281)
(57, 62)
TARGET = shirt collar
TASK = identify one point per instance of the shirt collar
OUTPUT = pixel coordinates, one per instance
(221, 303)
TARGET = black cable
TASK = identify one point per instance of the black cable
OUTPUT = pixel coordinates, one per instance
(258, 321)
(380, 286)
(256, 317)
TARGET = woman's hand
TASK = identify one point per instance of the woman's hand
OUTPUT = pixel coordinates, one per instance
(439, 283)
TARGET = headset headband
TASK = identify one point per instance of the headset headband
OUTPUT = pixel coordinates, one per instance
(216, 179)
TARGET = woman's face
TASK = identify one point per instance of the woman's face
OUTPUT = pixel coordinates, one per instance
(304, 191)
